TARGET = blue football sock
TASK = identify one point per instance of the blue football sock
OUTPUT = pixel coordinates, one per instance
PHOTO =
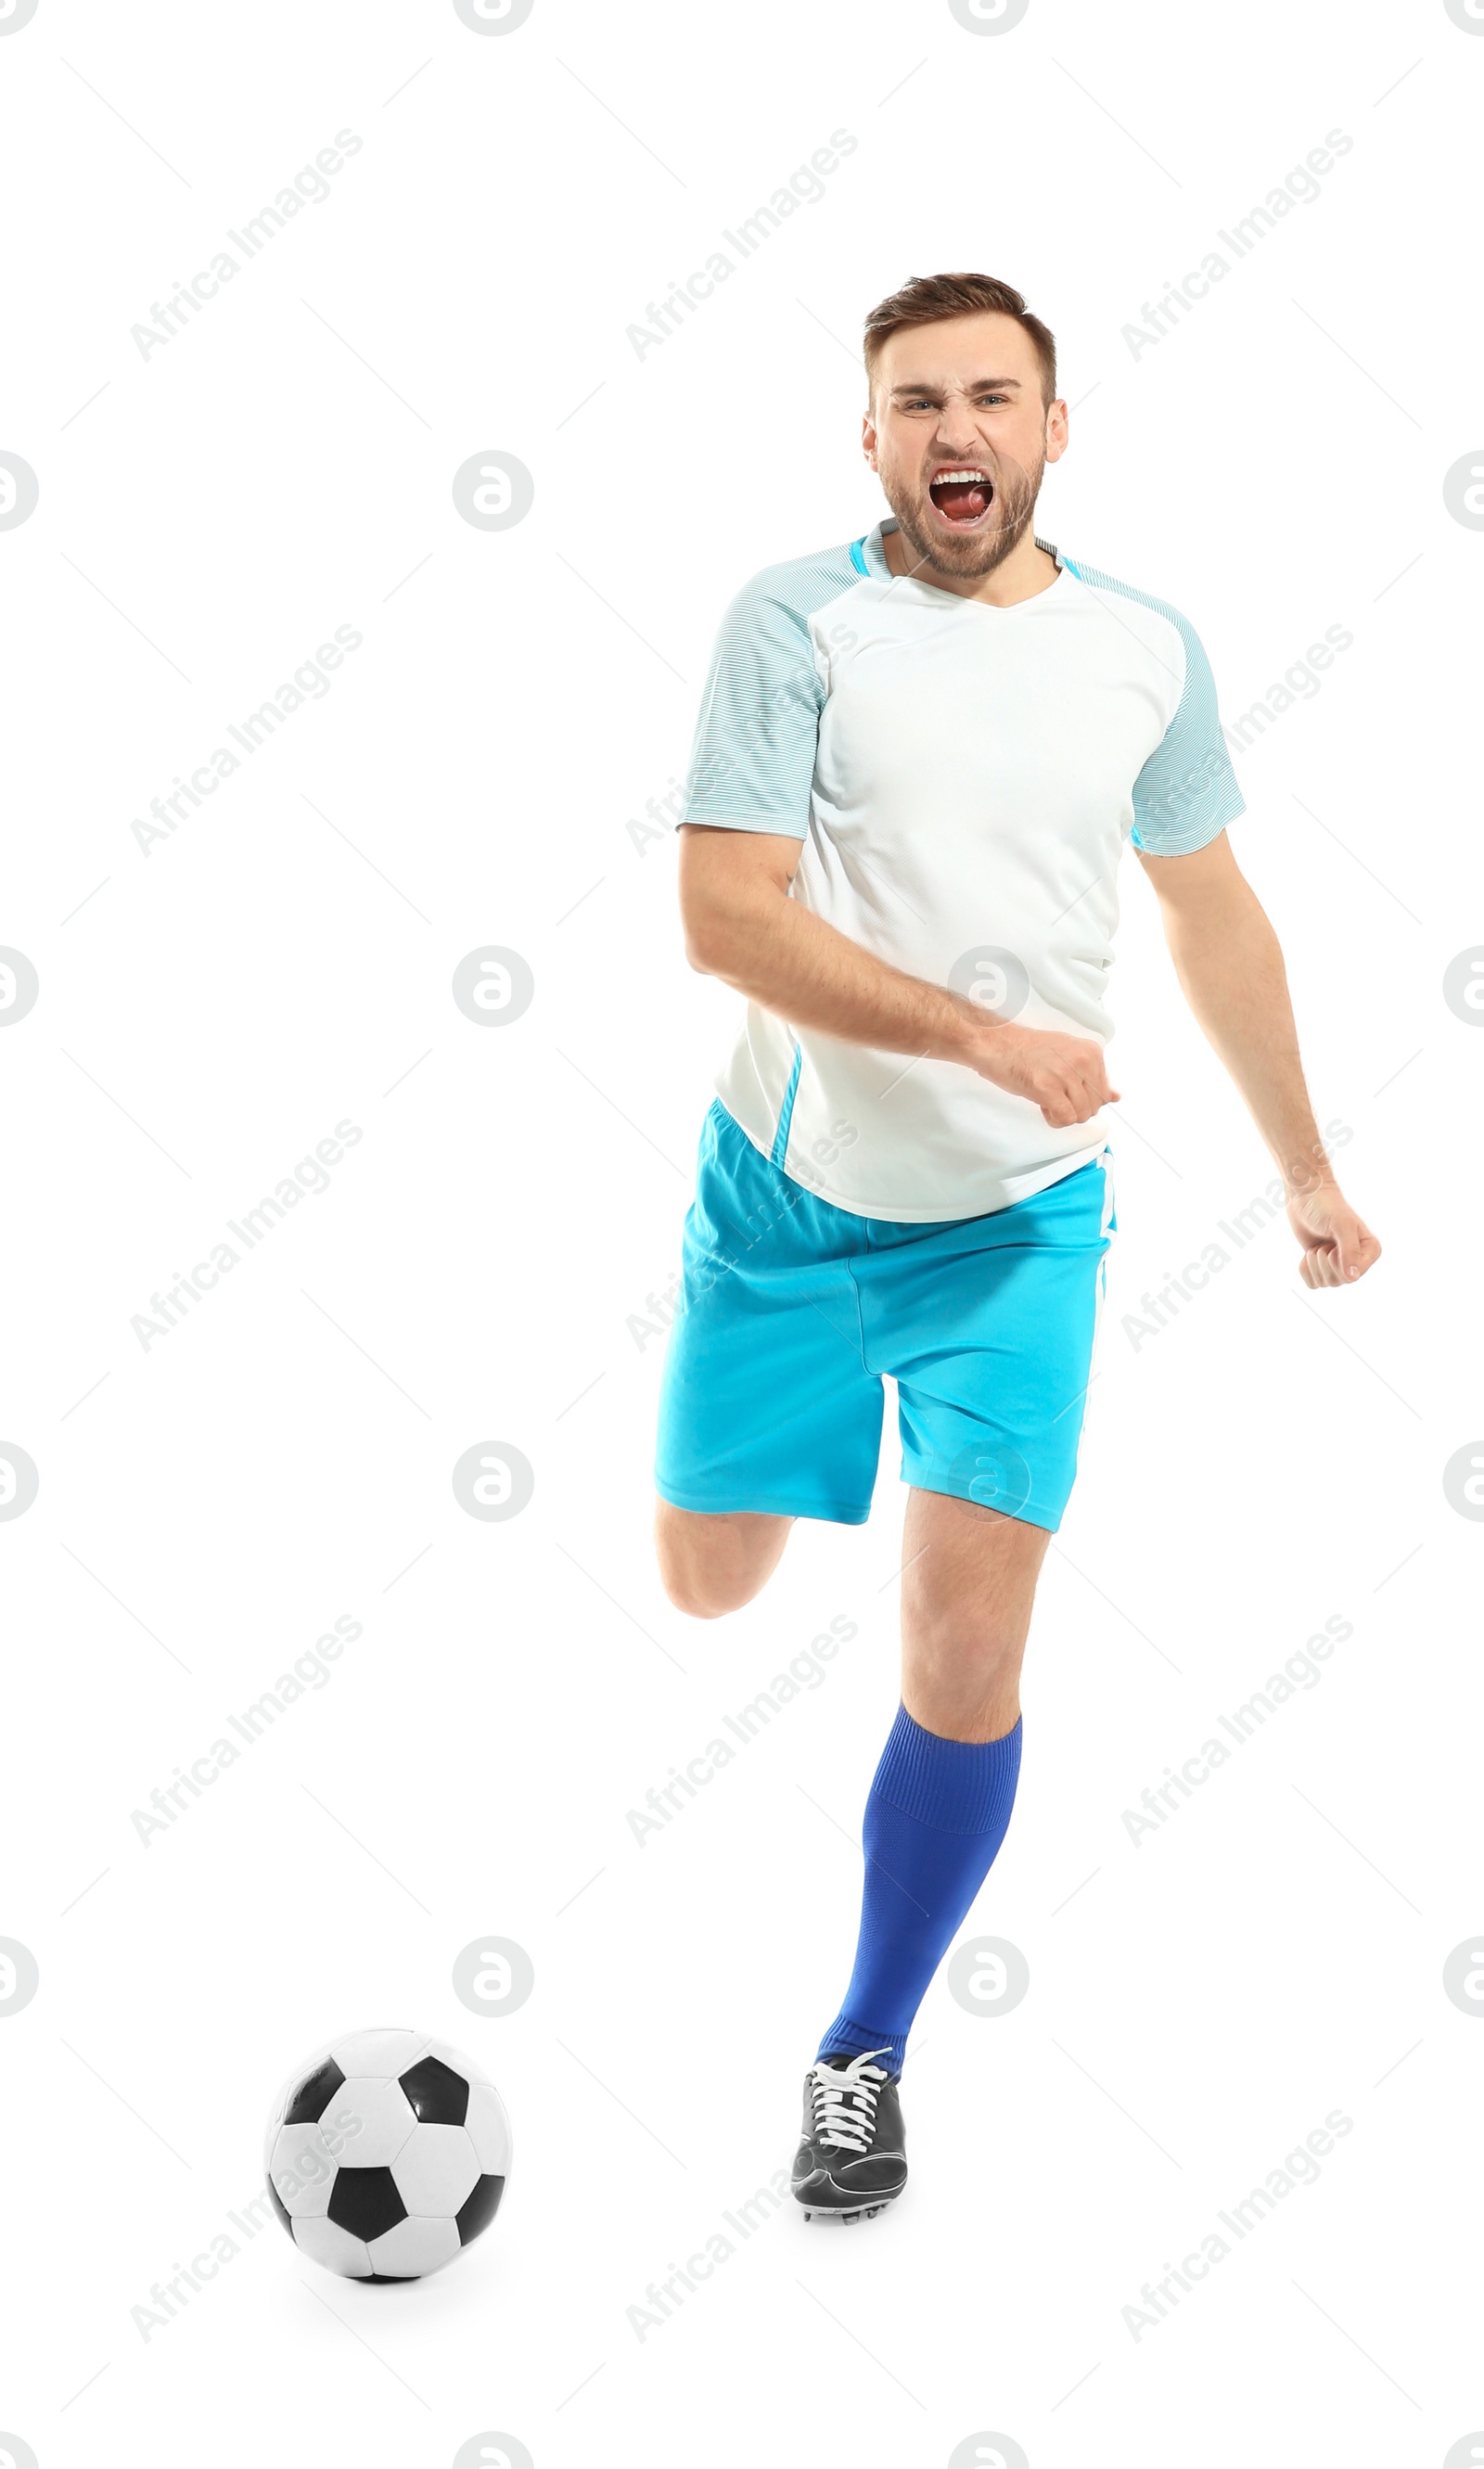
(935, 1818)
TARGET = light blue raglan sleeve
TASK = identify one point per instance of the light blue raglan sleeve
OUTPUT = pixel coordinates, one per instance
(751, 763)
(1187, 792)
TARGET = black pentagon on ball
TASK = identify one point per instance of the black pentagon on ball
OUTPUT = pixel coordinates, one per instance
(435, 2094)
(365, 2202)
(480, 2208)
(315, 2095)
(280, 2207)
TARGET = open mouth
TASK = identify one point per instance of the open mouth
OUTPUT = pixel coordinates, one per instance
(963, 495)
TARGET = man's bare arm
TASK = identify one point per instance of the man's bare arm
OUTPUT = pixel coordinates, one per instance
(1231, 972)
(741, 925)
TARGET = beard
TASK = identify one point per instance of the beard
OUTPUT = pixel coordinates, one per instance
(999, 531)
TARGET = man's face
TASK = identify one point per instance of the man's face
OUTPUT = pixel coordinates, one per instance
(960, 437)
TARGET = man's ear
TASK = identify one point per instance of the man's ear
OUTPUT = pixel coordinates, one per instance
(869, 439)
(1057, 435)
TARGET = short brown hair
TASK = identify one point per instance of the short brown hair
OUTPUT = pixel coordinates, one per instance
(928, 297)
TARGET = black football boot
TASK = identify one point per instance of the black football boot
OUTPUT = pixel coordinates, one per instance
(850, 2161)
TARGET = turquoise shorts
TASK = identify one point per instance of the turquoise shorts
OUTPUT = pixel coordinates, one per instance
(792, 1311)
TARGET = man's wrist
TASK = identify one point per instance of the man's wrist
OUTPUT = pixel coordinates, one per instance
(970, 1033)
(1303, 1167)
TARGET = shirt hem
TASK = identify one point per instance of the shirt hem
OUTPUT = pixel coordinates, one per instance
(790, 827)
(1198, 836)
(1027, 1184)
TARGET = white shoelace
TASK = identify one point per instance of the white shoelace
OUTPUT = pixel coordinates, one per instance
(844, 2101)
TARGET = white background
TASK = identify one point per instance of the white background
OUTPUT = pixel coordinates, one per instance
(210, 1010)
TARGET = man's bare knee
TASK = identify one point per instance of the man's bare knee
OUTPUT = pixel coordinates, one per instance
(697, 1603)
(696, 1588)
(712, 1565)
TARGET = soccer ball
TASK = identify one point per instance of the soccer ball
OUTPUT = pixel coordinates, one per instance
(387, 2154)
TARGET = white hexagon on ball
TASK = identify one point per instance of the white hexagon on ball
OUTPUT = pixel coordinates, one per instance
(414, 2247)
(382, 2054)
(488, 2129)
(302, 2168)
(334, 2248)
(437, 2172)
(377, 2124)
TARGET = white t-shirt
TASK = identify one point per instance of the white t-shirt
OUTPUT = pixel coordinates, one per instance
(963, 779)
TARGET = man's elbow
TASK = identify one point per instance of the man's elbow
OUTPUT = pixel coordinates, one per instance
(726, 917)
(708, 938)
(721, 933)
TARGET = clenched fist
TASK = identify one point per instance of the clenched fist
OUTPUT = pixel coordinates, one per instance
(1064, 1076)
(1336, 1244)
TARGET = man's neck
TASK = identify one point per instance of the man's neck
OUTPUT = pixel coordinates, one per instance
(1020, 576)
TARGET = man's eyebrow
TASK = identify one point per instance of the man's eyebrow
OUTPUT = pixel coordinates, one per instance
(976, 385)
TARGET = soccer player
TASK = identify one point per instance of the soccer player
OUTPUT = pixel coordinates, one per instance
(918, 757)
